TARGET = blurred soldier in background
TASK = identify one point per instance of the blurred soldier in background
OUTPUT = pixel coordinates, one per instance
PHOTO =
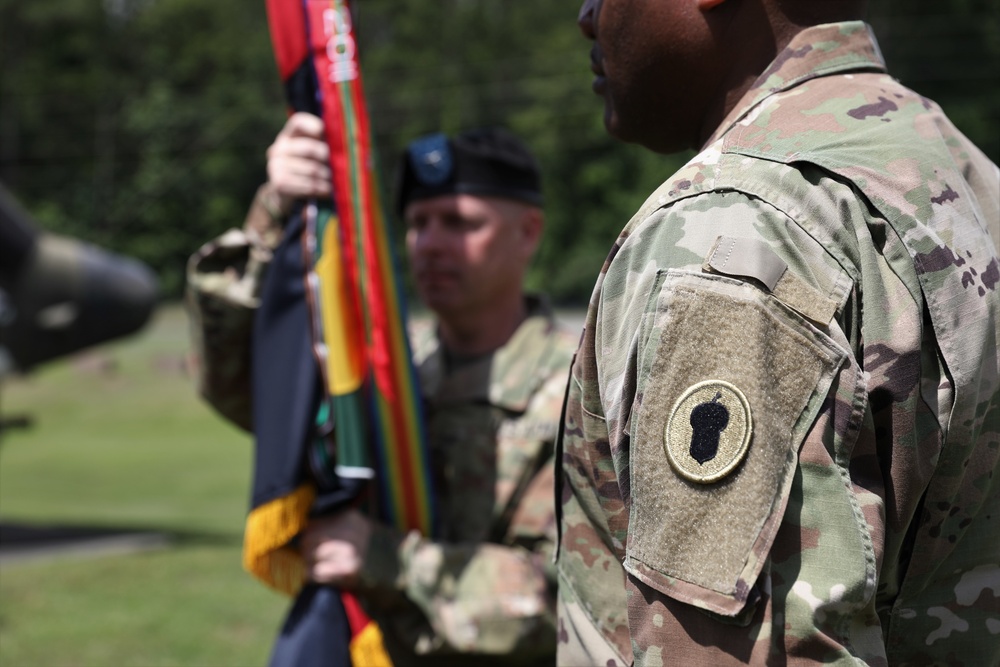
(59, 295)
(493, 372)
(781, 436)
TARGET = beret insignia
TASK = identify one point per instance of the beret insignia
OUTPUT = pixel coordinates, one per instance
(431, 159)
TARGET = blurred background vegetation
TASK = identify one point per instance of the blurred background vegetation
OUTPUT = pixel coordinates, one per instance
(141, 125)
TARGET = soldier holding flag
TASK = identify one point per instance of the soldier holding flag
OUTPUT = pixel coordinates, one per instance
(493, 370)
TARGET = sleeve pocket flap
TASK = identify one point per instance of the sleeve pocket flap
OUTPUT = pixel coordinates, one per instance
(734, 383)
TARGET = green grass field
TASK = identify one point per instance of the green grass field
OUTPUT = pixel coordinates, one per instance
(120, 440)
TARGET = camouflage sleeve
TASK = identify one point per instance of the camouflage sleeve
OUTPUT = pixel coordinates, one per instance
(222, 293)
(764, 547)
(494, 599)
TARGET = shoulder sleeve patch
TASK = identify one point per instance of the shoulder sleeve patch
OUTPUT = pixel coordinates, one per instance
(708, 431)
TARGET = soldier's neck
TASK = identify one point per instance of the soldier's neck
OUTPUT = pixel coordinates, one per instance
(484, 331)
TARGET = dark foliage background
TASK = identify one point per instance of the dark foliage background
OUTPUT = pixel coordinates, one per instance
(141, 125)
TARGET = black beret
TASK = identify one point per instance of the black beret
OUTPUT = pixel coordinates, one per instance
(490, 162)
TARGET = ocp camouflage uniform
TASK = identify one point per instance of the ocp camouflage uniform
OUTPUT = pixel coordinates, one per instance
(487, 586)
(783, 423)
(222, 290)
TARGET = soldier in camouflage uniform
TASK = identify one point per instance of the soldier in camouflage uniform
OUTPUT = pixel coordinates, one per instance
(783, 423)
(493, 373)
(488, 585)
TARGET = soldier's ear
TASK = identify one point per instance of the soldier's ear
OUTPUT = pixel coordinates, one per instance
(532, 222)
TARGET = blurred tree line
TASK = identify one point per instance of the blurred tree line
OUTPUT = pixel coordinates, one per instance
(141, 125)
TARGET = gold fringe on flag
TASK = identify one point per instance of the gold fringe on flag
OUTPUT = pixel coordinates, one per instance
(269, 529)
(267, 556)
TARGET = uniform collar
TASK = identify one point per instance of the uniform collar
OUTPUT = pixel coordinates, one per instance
(506, 378)
(817, 51)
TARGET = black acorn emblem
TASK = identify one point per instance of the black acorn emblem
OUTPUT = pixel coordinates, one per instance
(708, 421)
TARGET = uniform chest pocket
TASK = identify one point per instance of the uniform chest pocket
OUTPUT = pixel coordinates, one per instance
(726, 393)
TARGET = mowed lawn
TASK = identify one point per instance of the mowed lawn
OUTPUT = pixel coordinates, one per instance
(121, 441)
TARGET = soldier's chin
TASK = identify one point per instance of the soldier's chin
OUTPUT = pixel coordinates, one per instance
(437, 299)
(621, 126)
(614, 125)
